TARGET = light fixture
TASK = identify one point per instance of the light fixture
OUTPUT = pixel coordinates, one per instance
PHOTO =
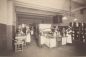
(23, 25)
(75, 19)
(70, 8)
(64, 18)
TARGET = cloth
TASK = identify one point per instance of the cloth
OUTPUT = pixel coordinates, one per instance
(64, 40)
(28, 38)
(69, 39)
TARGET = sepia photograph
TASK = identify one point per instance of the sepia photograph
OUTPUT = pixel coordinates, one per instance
(42, 28)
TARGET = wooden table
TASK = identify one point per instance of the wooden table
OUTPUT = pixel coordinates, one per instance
(19, 43)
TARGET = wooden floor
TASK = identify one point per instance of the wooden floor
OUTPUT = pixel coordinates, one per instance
(76, 49)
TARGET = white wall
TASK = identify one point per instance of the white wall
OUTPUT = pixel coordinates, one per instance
(3, 11)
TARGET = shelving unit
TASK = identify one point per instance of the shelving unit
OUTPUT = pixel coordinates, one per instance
(78, 31)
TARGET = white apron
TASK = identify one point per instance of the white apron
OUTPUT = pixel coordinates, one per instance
(28, 38)
(69, 39)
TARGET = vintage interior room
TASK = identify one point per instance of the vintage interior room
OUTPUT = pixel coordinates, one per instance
(42, 28)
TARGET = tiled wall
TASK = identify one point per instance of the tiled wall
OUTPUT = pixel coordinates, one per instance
(6, 26)
(3, 39)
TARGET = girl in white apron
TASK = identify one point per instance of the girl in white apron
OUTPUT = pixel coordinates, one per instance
(28, 37)
(69, 38)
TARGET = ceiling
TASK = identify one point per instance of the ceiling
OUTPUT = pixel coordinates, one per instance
(46, 11)
(80, 1)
